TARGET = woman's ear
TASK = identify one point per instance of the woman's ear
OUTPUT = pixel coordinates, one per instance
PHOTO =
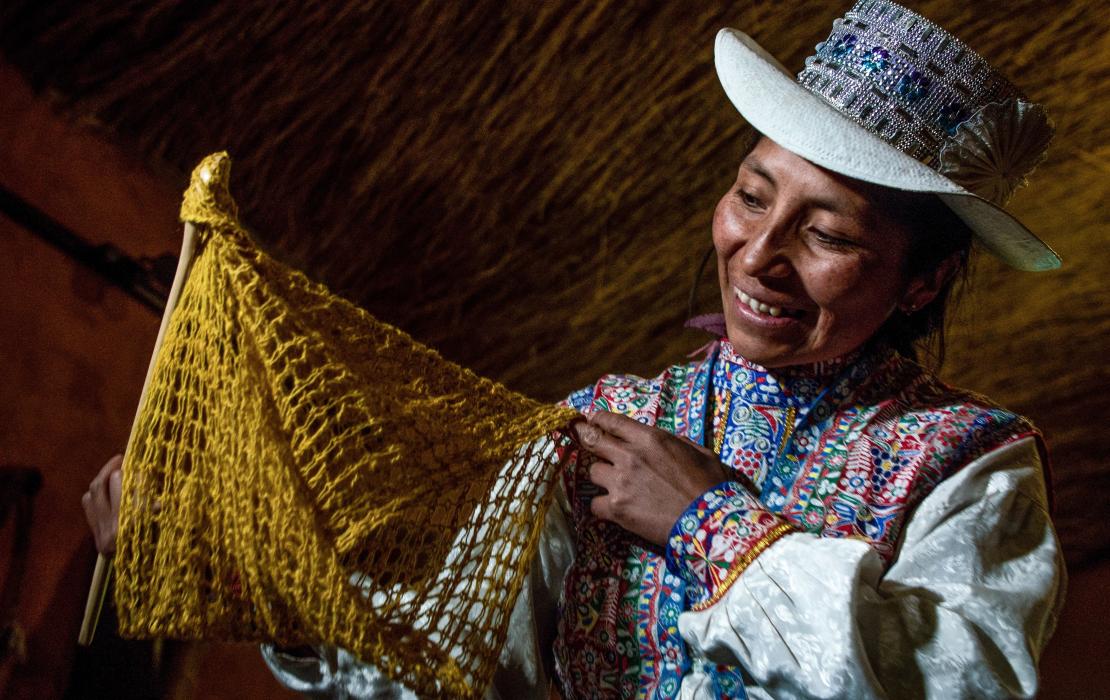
(923, 288)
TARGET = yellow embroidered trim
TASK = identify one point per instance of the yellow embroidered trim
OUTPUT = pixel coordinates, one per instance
(719, 438)
(743, 562)
(787, 430)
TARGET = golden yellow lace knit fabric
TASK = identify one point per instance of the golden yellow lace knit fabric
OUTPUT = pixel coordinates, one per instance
(321, 477)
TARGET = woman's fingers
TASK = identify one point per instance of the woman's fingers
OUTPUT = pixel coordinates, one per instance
(619, 426)
(600, 508)
(598, 441)
(602, 474)
(103, 528)
(101, 485)
(112, 465)
(700, 448)
(90, 513)
(607, 477)
(115, 463)
(101, 504)
(115, 487)
(646, 477)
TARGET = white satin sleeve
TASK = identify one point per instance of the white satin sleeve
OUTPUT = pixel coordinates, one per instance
(964, 610)
(525, 664)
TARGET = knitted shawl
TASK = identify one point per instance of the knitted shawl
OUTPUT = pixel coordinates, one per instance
(302, 473)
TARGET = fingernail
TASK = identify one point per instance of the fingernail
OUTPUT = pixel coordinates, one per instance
(588, 434)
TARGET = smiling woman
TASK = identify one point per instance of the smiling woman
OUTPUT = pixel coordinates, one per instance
(807, 511)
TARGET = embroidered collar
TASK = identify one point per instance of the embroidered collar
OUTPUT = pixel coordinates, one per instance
(796, 386)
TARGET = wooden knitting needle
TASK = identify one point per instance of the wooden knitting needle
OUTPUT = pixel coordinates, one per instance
(99, 587)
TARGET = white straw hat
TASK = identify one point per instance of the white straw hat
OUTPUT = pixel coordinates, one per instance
(893, 99)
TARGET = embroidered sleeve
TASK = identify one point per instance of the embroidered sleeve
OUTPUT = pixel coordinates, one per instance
(963, 611)
(717, 537)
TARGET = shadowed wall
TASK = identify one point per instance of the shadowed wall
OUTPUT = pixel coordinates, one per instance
(528, 186)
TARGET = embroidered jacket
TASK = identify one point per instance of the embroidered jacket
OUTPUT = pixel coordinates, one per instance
(841, 450)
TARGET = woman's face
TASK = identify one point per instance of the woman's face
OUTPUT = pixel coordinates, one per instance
(809, 267)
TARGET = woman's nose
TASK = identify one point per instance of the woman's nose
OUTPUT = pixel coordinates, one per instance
(765, 255)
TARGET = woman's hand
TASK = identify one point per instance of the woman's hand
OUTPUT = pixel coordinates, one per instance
(651, 476)
(101, 504)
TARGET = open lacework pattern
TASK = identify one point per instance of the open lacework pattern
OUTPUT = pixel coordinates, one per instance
(303, 473)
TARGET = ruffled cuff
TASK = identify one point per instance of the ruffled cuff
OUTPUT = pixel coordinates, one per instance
(716, 538)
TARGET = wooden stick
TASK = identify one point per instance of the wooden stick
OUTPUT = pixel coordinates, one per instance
(102, 573)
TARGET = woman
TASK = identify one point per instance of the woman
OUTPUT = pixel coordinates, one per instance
(878, 533)
(807, 512)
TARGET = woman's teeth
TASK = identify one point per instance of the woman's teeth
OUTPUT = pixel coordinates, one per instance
(758, 306)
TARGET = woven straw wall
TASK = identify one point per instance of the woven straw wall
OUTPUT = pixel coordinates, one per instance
(528, 186)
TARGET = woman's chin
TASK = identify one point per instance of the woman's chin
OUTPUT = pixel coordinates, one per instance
(767, 341)
(773, 350)
(763, 353)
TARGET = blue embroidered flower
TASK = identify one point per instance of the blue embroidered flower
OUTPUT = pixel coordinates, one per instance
(776, 501)
(913, 86)
(951, 116)
(844, 46)
(876, 60)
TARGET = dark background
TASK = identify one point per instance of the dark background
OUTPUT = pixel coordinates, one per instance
(526, 187)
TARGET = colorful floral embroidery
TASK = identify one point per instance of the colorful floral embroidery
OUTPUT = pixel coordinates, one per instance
(716, 538)
(582, 399)
(663, 658)
(728, 682)
(618, 629)
(846, 449)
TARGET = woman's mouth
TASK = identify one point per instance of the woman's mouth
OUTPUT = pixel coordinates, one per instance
(762, 308)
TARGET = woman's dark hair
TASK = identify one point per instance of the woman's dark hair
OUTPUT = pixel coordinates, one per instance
(936, 234)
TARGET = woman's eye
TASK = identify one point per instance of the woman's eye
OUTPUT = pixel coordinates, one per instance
(749, 199)
(832, 241)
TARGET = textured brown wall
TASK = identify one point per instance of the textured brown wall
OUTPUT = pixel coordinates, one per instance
(73, 358)
(74, 352)
(525, 186)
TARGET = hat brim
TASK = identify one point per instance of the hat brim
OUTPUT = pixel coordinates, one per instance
(769, 98)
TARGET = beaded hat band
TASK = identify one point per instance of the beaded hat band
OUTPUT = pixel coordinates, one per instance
(892, 98)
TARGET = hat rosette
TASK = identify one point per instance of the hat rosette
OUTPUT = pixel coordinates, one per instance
(994, 150)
